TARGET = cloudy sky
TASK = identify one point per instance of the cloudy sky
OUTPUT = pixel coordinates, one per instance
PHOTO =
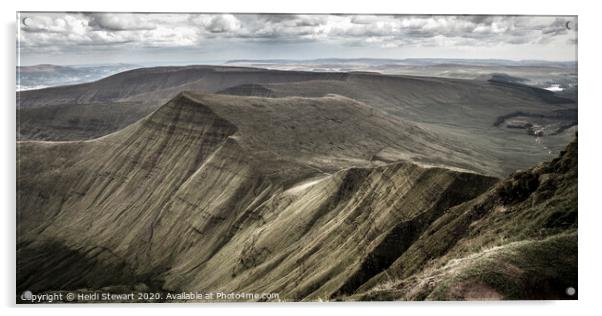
(89, 38)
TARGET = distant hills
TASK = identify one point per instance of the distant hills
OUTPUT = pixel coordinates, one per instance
(561, 76)
(409, 61)
(551, 73)
(46, 75)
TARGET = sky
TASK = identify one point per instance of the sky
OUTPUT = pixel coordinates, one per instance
(150, 39)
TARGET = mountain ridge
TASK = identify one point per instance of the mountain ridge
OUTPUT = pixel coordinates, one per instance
(203, 195)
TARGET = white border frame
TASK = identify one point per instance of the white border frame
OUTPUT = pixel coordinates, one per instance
(590, 113)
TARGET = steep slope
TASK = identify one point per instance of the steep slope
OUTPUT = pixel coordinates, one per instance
(518, 241)
(194, 197)
(318, 236)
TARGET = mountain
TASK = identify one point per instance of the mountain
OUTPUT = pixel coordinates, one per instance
(504, 126)
(313, 198)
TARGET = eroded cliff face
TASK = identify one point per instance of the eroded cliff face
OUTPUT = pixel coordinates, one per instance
(517, 241)
(203, 195)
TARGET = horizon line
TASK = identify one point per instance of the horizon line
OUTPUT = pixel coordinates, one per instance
(216, 62)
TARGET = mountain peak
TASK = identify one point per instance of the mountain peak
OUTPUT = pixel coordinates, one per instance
(187, 115)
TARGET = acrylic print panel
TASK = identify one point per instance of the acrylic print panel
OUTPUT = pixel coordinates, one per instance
(282, 158)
